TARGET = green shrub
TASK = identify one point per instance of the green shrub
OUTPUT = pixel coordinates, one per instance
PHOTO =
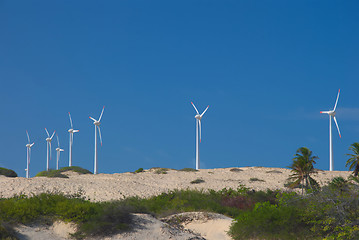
(139, 170)
(161, 170)
(256, 180)
(268, 221)
(6, 232)
(51, 174)
(236, 170)
(188, 170)
(7, 172)
(198, 180)
(75, 169)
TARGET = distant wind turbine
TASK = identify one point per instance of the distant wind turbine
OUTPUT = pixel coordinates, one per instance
(28, 155)
(71, 131)
(48, 140)
(58, 150)
(198, 132)
(97, 127)
(331, 114)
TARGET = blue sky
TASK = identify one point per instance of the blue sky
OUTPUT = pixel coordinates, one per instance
(266, 68)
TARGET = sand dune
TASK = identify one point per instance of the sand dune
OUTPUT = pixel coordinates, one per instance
(105, 187)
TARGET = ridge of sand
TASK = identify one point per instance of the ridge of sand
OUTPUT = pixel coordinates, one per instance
(105, 187)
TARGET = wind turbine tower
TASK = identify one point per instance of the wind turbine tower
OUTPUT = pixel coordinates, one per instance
(48, 140)
(28, 154)
(58, 150)
(97, 127)
(331, 114)
(71, 132)
(198, 132)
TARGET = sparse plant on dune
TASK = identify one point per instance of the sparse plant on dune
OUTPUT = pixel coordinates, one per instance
(353, 162)
(139, 170)
(7, 172)
(188, 170)
(198, 180)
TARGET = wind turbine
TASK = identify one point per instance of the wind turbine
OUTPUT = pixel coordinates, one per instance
(48, 140)
(28, 154)
(58, 150)
(198, 132)
(331, 114)
(97, 126)
(71, 131)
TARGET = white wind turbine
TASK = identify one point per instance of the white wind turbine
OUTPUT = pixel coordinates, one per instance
(97, 127)
(58, 150)
(198, 132)
(28, 155)
(332, 115)
(48, 140)
(71, 131)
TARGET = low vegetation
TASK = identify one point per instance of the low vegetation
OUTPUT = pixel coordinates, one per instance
(102, 218)
(160, 170)
(59, 173)
(256, 180)
(51, 174)
(79, 170)
(236, 170)
(139, 170)
(7, 172)
(198, 180)
(188, 170)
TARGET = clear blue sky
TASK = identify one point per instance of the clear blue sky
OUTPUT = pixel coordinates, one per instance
(266, 68)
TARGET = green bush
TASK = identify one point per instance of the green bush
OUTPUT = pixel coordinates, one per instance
(139, 170)
(236, 170)
(188, 170)
(256, 180)
(160, 170)
(7, 172)
(268, 221)
(198, 180)
(51, 174)
(75, 169)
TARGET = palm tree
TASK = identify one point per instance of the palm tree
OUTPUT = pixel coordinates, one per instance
(302, 167)
(354, 160)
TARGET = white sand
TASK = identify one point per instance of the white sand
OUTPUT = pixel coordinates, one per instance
(104, 187)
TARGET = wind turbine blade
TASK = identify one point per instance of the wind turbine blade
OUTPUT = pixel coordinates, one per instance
(327, 112)
(101, 114)
(99, 132)
(32, 144)
(52, 135)
(28, 138)
(58, 141)
(93, 119)
(336, 102)
(204, 111)
(76, 131)
(336, 123)
(200, 131)
(71, 121)
(47, 132)
(195, 107)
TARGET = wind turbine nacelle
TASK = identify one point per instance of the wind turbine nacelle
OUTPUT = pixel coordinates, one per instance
(332, 113)
(198, 117)
(70, 130)
(48, 139)
(28, 145)
(57, 149)
(97, 123)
